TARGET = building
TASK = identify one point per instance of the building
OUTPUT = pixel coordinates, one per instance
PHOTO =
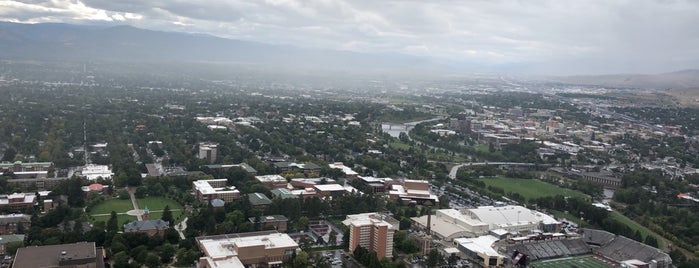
(207, 190)
(79, 255)
(249, 169)
(514, 219)
(7, 239)
(448, 224)
(305, 168)
(373, 232)
(254, 249)
(19, 167)
(283, 193)
(481, 250)
(18, 201)
(330, 190)
(259, 200)
(345, 169)
(272, 181)
(38, 182)
(208, 151)
(93, 172)
(149, 227)
(276, 222)
(377, 185)
(15, 223)
(413, 192)
(310, 182)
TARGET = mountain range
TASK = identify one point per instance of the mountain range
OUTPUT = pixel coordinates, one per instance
(67, 42)
(56, 41)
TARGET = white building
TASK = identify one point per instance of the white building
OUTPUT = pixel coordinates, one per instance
(92, 172)
(208, 190)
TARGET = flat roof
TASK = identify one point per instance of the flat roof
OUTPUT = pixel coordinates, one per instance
(222, 246)
(329, 187)
(270, 178)
(49, 256)
(204, 187)
(481, 244)
(345, 169)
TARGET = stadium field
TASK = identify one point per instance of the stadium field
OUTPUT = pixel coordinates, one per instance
(574, 262)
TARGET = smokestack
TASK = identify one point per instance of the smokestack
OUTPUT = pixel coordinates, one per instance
(429, 222)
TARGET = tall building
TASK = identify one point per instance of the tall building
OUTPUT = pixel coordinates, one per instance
(373, 232)
(208, 151)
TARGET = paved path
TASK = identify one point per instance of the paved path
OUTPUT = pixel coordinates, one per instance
(133, 202)
(181, 227)
(126, 213)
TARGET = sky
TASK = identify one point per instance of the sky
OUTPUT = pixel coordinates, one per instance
(525, 36)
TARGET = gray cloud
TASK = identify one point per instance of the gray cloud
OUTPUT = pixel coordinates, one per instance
(546, 36)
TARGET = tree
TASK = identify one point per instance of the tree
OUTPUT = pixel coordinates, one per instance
(433, 258)
(332, 238)
(301, 260)
(651, 241)
(152, 261)
(9, 155)
(167, 216)
(113, 223)
(302, 223)
(121, 260)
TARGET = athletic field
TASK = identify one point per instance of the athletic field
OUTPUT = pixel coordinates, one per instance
(573, 262)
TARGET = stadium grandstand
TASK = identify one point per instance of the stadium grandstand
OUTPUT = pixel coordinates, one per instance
(604, 246)
(621, 249)
(551, 249)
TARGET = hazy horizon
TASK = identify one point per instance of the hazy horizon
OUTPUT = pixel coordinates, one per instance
(521, 37)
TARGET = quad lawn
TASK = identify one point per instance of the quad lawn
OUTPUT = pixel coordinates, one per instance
(114, 204)
(155, 205)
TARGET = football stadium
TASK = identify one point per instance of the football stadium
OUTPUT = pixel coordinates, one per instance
(592, 249)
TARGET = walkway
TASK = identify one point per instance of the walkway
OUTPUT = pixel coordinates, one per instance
(180, 227)
(131, 191)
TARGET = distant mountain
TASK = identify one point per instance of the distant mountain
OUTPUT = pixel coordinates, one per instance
(51, 41)
(685, 79)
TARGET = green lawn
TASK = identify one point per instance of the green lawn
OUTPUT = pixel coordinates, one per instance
(484, 148)
(110, 205)
(154, 204)
(157, 203)
(579, 262)
(530, 188)
(120, 218)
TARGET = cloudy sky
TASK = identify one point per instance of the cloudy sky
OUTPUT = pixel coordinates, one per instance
(537, 36)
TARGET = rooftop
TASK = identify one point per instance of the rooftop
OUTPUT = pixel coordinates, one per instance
(481, 244)
(223, 246)
(50, 256)
(259, 199)
(136, 226)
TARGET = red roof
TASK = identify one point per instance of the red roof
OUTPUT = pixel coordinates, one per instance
(95, 187)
